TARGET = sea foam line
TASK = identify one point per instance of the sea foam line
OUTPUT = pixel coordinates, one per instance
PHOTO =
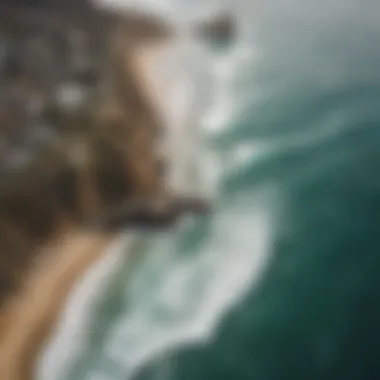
(191, 294)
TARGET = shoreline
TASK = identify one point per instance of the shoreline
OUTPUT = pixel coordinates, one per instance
(68, 337)
(31, 316)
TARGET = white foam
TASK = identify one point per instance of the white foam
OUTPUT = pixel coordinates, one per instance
(246, 153)
(191, 294)
(227, 102)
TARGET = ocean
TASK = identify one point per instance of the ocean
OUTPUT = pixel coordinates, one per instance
(281, 282)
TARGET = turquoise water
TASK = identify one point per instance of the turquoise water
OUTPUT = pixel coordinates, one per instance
(282, 282)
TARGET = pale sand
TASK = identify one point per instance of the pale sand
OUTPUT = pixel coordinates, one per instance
(27, 321)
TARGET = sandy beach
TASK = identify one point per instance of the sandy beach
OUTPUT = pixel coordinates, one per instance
(28, 319)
